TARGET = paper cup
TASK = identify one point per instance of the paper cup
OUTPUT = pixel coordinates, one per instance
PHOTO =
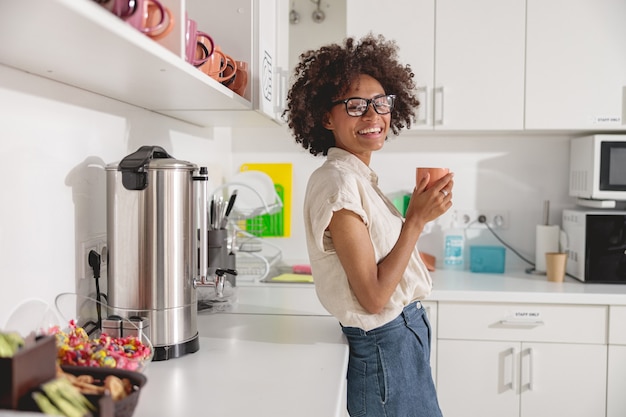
(555, 266)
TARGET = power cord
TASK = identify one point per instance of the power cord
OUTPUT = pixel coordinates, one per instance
(94, 259)
(483, 219)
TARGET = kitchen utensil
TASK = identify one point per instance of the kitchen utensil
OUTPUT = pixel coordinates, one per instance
(294, 16)
(318, 15)
(229, 208)
(256, 194)
(152, 240)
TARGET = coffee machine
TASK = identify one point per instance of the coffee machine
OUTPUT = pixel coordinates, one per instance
(157, 246)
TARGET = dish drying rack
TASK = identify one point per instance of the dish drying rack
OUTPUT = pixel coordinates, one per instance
(255, 256)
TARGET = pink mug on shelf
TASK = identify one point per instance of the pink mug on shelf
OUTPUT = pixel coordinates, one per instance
(217, 66)
(199, 45)
(149, 16)
(158, 21)
(120, 8)
(240, 80)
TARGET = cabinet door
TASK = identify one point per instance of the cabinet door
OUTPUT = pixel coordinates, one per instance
(476, 378)
(615, 398)
(563, 380)
(479, 64)
(266, 56)
(576, 65)
(411, 23)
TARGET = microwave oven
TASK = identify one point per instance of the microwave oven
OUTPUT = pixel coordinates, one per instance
(596, 245)
(598, 168)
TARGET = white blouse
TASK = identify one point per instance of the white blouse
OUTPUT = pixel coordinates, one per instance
(345, 182)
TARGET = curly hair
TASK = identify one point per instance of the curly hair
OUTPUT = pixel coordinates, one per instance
(325, 74)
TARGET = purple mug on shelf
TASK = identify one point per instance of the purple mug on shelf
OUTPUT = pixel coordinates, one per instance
(140, 20)
(199, 45)
(120, 8)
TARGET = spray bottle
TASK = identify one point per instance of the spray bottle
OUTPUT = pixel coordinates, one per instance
(454, 246)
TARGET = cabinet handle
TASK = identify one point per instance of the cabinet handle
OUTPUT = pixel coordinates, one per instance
(531, 368)
(281, 102)
(511, 353)
(518, 323)
(438, 101)
(422, 96)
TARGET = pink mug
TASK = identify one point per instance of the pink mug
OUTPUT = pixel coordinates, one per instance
(435, 174)
(158, 21)
(199, 45)
(217, 66)
(240, 81)
(120, 8)
(139, 18)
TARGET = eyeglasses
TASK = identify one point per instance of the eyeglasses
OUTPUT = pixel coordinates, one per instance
(357, 106)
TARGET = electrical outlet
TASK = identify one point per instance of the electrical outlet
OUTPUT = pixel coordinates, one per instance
(496, 219)
(97, 244)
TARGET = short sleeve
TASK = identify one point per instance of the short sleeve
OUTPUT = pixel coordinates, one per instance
(326, 195)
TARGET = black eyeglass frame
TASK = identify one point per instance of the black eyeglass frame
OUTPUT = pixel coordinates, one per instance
(368, 101)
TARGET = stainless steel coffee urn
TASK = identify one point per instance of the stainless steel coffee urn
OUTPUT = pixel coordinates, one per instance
(155, 245)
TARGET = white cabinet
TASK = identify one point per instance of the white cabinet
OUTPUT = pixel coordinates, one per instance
(411, 23)
(615, 398)
(468, 57)
(100, 53)
(522, 360)
(576, 65)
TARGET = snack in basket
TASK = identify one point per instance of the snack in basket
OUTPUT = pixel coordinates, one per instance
(77, 349)
(117, 387)
(59, 397)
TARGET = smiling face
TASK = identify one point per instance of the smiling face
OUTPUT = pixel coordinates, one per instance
(363, 134)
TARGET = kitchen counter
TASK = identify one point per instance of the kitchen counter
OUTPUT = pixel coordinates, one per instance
(519, 286)
(261, 365)
(277, 352)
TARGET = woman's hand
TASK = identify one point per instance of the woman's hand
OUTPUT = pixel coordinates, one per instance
(428, 204)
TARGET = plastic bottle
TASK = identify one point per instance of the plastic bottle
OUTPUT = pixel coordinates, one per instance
(454, 246)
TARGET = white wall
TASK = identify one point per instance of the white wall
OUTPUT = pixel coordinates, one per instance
(514, 173)
(55, 142)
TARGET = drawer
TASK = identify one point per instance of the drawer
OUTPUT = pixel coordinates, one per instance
(617, 330)
(523, 322)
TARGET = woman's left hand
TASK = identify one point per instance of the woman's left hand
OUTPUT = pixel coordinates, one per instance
(428, 204)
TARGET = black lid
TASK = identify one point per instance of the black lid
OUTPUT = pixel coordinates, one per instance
(134, 166)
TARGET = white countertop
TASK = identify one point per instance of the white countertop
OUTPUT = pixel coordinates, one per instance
(253, 364)
(521, 287)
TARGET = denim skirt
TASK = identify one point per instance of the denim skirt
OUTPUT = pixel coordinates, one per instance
(389, 372)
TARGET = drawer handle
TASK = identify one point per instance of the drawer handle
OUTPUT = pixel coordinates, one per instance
(517, 323)
(423, 92)
(531, 369)
(511, 354)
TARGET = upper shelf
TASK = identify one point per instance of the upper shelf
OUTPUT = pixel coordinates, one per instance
(79, 43)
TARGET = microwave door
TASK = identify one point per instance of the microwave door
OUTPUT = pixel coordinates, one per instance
(606, 248)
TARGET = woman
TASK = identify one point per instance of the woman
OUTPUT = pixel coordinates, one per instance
(363, 254)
